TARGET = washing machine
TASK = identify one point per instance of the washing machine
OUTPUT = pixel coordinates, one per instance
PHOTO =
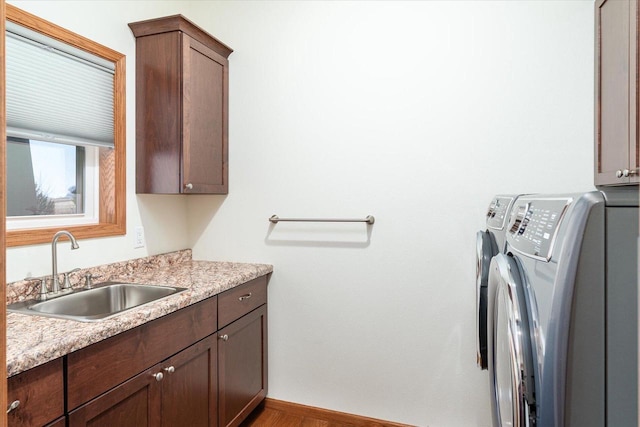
(562, 339)
(489, 242)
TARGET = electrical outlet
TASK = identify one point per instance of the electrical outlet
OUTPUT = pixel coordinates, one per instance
(138, 237)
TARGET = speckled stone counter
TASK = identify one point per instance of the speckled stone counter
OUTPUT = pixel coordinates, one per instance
(33, 340)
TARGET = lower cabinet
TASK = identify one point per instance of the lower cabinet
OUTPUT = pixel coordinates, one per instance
(36, 396)
(136, 402)
(190, 386)
(242, 367)
(181, 390)
(204, 365)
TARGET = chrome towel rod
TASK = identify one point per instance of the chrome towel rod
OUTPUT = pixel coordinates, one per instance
(369, 219)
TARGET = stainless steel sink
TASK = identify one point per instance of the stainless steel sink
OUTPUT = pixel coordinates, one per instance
(101, 302)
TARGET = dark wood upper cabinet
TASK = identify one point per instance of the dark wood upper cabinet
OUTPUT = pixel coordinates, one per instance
(182, 87)
(616, 92)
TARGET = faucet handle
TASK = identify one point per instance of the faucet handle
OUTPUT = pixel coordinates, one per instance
(43, 290)
(43, 295)
(88, 284)
(66, 285)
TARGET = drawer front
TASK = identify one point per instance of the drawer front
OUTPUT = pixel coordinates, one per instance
(236, 302)
(102, 366)
(41, 394)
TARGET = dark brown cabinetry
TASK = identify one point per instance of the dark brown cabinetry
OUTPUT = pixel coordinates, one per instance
(203, 365)
(136, 402)
(178, 379)
(39, 393)
(617, 124)
(190, 386)
(95, 369)
(181, 390)
(242, 352)
(182, 86)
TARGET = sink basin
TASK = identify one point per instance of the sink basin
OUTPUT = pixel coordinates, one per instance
(101, 302)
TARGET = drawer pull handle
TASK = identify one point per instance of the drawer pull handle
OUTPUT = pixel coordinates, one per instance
(170, 370)
(224, 337)
(159, 376)
(244, 297)
(13, 405)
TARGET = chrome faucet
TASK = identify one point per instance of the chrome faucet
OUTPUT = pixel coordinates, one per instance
(55, 284)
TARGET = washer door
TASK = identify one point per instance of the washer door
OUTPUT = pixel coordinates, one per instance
(486, 249)
(512, 367)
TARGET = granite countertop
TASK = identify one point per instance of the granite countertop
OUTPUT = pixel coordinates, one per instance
(34, 340)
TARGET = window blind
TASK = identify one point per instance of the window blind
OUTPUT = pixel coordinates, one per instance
(55, 92)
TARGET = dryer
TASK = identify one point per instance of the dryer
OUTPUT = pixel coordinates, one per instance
(558, 354)
(489, 242)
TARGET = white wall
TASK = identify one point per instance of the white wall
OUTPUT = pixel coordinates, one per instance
(417, 113)
(164, 217)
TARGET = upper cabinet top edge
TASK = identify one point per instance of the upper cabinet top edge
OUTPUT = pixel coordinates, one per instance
(179, 23)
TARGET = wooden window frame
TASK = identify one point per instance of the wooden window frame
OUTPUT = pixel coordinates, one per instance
(112, 203)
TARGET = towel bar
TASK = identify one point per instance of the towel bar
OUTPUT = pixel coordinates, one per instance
(275, 219)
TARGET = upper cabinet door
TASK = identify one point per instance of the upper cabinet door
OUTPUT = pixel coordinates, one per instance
(616, 85)
(205, 77)
(182, 86)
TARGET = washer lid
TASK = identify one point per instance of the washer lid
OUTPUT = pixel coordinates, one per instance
(486, 249)
(512, 367)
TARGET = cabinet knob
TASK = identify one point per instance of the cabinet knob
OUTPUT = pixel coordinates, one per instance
(159, 376)
(188, 186)
(619, 173)
(13, 406)
(628, 172)
(224, 337)
(170, 370)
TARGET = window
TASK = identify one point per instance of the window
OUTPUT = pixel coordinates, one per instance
(50, 183)
(65, 133)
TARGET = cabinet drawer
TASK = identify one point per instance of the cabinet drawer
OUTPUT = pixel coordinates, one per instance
(102, 366)
(236, 302)
(41, 394)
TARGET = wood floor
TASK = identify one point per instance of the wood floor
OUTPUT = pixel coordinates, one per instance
(265, 417)
(275, 413)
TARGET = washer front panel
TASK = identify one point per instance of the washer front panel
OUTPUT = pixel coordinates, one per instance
(497, 213)
(534, 224)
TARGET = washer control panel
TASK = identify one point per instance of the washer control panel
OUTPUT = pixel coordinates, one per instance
(498, 211)
(534, 224)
